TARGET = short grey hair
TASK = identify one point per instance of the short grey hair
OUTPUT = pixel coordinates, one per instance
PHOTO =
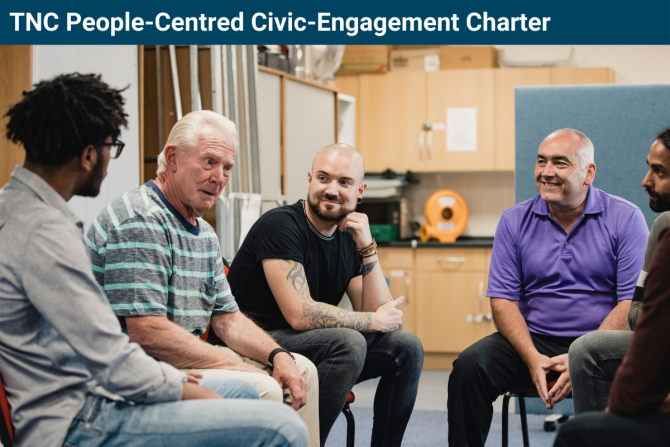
(185, 132)
(586, 152)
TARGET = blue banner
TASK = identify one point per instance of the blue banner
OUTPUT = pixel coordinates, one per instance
(342, 22)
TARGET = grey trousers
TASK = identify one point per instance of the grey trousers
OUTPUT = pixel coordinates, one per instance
(594, 359)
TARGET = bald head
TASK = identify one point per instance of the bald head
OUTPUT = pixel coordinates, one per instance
(341, 154)
(574, 139)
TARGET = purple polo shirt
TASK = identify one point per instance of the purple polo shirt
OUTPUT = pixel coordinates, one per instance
(567, 284)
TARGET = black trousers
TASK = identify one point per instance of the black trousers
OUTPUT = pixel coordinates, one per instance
(483, 372)
(611, 430)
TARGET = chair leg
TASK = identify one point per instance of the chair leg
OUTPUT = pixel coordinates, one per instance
(524, 421)
(351, 425)
(505, 416)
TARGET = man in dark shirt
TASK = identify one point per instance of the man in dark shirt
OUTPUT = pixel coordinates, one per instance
(292, 270)
(595, 357)
(638, 404)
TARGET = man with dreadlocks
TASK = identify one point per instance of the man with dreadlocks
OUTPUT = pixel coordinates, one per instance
(70, 373)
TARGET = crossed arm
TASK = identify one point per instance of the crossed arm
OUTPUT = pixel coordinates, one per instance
(288, 283)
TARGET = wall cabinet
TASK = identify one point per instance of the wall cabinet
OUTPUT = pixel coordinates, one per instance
(507, 79)
(401, 116)
(459, 89)
(392, 109)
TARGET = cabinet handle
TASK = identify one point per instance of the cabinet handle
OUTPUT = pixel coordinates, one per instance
(449, 259)
(430, 145)
(420, 145)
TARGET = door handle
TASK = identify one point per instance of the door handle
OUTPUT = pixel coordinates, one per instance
(452, 260)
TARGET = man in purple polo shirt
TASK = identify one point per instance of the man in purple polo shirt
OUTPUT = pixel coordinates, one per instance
(564, 263)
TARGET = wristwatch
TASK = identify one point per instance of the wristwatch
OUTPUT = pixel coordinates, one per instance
(275, 352)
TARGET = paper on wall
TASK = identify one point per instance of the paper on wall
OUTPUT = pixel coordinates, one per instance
(461, 129)
(431, 62)
(251, 211)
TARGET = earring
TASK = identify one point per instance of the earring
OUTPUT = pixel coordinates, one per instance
(360, 200)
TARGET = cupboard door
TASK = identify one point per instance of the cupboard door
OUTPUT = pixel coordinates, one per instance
(397, 258)
(582, 75)
(458, 89)
(398, 267)
(392, 108)
(443, 303)
(400, 284)
(506, 80)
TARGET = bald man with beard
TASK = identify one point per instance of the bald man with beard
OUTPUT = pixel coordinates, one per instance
(291, 272)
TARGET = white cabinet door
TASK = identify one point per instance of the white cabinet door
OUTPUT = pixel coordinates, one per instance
(310, 126)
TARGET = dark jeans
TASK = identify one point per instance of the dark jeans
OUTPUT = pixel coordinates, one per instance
(344, 357)
(594, 359)
(611, 430)
(483, 372)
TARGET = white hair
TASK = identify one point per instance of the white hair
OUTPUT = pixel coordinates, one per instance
(586, 152)
(185, 132)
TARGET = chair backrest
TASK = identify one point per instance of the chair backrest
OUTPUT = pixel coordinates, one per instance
(6, 428)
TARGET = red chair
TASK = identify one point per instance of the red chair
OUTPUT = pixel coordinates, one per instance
(6, 429)
(522, 394)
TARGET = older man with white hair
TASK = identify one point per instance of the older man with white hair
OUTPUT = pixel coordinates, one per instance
(564, 263)
(159, 264)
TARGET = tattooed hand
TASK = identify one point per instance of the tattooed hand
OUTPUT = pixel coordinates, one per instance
(388, 318)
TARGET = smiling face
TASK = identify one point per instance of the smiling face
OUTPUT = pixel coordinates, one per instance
(657, 180)
(202, 171)
(335, 183)
(560, 178)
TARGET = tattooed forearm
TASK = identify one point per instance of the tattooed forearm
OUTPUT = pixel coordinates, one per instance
(322, 315)
(367, 268)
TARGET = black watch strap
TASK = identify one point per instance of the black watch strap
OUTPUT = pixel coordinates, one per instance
(275, 352)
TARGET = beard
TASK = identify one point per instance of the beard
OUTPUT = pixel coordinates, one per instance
(91, 187)
(325, 214)
(662, 202)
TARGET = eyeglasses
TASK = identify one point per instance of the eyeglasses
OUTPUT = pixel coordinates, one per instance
(115, 148)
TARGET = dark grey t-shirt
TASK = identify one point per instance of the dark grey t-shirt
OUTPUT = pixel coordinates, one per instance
(660, 223)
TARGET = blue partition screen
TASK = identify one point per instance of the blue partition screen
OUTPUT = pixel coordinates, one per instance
(621, 120)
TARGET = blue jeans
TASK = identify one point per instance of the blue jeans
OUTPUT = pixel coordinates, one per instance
(239, 419)
(594, 359)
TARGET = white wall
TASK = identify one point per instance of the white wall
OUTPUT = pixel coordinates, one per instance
(310, 126)
(633, 64)
(118, 66)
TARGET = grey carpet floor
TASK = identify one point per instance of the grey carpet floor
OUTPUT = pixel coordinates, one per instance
(429, 428)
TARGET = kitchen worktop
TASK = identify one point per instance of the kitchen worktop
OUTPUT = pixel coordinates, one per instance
(461, 242)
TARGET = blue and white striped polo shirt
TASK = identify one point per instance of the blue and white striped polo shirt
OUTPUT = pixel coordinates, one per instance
(149, 260)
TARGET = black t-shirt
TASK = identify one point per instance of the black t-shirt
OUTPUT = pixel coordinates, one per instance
(285, 233)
